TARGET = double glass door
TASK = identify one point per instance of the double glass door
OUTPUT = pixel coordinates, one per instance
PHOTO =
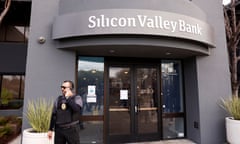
(136, 103)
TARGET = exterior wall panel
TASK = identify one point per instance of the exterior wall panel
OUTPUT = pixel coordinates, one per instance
(213, 78)
(47, 66)
(206, 78)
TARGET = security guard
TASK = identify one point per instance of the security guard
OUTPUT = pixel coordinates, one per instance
(65, 116)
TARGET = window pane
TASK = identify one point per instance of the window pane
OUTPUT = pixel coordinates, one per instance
(92, 134)
(14, 33)
(172, 87)
(2, 33)
(12, 91)
(173, 128)
(119, 106)
(91, 84)
(147, 100)
(22, 87)
(11, 85)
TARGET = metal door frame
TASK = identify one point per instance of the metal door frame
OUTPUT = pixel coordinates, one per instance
(133, 136)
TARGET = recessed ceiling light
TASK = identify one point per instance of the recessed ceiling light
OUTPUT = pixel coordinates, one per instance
(112, 51)
(168, 53)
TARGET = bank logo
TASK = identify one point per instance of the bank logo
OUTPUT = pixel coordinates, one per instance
(144, 21)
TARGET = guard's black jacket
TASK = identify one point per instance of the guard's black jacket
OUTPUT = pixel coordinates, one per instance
(65, 111)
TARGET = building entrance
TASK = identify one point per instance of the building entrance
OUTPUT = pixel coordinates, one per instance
(144, 102)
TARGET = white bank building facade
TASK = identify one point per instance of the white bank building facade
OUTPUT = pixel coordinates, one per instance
(147, 70)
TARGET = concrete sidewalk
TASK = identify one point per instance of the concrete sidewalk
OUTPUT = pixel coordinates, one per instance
(17, 140)
(182, 141)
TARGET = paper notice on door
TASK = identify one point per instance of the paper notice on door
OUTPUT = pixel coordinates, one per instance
(91, 99)
(91, 90)
(123, 94)
(91, 96)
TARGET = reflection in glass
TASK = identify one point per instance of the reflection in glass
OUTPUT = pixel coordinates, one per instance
(90, 87)
(173, 128)
(172, 100)
(119, 100)
(147, 100)
(90, 84)
(136, 96)
(14, 33)
(171, 87)
(92, 134)
(12, 91)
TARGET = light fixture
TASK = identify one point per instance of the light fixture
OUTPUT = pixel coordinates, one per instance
(94, 71)
(41, 40)
(168, 53)
(112, 51)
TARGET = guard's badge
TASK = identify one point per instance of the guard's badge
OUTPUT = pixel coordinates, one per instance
(63, 106)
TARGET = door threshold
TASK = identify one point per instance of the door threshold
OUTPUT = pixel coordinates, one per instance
(176, 141)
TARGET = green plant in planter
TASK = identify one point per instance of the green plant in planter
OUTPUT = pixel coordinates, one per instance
(3, 120)
(38, 114)
(5, 130)
(232, 106)
(6, 96)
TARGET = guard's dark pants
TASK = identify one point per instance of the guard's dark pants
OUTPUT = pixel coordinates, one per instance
(70, 135)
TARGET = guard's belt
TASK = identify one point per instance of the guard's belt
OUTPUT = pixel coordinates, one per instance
(68, 125)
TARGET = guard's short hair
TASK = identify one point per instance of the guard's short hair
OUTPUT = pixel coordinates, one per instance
(71, 82)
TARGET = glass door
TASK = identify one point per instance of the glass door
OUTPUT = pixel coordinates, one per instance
(119, 101)
(146, 99)
(144, 102)
(125, 102)
(133, 104)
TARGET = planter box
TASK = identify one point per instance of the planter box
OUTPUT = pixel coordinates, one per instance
(233, 130)
(31, 137)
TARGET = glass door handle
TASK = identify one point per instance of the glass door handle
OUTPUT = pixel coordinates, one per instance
(136, 109)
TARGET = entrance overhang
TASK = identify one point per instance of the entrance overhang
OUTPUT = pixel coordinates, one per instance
(155, 28)
(134, 46)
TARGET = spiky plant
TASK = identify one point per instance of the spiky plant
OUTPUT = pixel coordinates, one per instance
(38, 114)
(232, 106)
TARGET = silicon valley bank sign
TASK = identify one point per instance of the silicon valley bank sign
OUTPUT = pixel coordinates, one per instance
(132, 22)
(143, 21)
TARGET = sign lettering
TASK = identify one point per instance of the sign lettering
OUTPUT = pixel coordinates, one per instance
(144, 21)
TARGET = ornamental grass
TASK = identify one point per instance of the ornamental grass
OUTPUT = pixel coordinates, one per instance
(232, 106)
(38, 114)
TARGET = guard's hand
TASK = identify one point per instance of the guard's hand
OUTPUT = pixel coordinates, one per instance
(68, 92)
(49, 134)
